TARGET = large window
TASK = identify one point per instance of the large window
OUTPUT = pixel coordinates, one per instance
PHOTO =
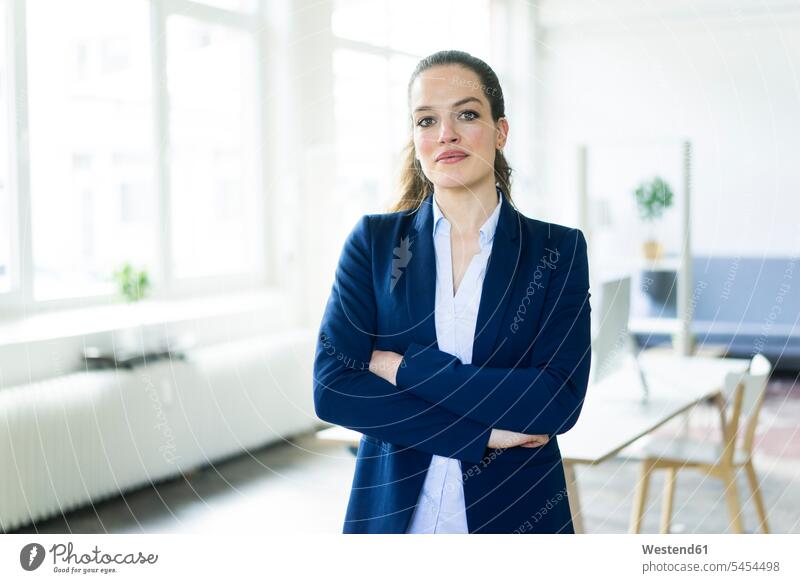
(140, 144)
(213, 144)
(6, 219)
(91, 143)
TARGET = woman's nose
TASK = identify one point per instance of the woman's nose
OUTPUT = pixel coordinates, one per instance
(447, 133)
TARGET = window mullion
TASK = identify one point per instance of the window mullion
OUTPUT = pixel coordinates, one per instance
(22, 246)
(267, 256)
(162, 150)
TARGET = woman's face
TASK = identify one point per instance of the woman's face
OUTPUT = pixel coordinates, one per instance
(451, 113)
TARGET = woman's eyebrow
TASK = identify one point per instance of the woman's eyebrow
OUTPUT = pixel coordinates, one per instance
(455, 104)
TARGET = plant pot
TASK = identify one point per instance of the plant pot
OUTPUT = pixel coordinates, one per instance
(652, 250)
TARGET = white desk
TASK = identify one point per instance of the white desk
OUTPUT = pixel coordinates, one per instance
(614, 414)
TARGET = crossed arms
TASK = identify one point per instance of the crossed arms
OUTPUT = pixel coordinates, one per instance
(440, 405)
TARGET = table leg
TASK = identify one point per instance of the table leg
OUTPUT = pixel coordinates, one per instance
(572, 496)
(640, 497)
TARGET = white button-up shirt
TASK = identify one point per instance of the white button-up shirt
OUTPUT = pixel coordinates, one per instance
(440, 507)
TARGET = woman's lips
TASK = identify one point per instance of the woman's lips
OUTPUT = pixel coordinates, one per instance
(452, 159)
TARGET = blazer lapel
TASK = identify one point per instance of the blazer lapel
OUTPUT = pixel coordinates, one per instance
(499, 282)
(421, 276)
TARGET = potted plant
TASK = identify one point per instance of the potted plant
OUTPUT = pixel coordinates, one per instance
(653, 197)
(133, 285)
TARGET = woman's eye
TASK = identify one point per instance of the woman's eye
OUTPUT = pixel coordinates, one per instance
(470, 116)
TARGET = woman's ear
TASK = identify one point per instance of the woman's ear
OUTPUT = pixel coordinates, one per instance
(502, 132)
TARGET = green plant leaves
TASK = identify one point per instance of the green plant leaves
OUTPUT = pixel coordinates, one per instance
(133, 285)
(653, 198)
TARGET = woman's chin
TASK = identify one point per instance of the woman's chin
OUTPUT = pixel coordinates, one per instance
(453, 180)
(454, 183)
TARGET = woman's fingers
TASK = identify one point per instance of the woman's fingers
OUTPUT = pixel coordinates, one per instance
(504, 439)
(385, 363)
(536, 441)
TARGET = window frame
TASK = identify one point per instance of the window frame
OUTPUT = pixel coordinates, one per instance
(20, 300)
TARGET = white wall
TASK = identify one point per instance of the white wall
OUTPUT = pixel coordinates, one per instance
(725, 75)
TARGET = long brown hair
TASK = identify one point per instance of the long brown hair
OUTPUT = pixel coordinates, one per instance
(414, 186)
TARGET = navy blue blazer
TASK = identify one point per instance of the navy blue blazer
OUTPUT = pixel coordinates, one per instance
(529, 371)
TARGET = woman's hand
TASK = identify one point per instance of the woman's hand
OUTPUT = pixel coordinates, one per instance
(385, 363)
(502, 438)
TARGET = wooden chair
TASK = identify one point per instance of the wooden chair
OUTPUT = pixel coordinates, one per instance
(739, 405)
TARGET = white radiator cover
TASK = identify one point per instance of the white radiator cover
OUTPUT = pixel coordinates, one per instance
(86, 436)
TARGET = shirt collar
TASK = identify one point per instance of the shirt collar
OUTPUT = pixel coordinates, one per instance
(488, 228)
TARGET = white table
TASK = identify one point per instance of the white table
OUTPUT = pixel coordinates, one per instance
(614, 414)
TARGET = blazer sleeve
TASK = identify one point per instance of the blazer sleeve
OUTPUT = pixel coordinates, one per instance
(347, 393)
(545, 398)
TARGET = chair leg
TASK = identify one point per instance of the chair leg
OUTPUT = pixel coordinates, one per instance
(754, 486)
(669, 496)
(640, 497)
(732, 500)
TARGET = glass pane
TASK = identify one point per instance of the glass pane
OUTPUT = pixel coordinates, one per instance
(91, 143)
(401, 68)
(362, 20)
(211, 78)
(363, 126)
(418, 27)
(422, 27)
(239, 5)
(5, 158)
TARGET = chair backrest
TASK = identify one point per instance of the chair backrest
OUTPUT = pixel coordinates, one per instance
(745, 395)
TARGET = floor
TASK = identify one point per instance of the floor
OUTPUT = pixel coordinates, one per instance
(302, 486)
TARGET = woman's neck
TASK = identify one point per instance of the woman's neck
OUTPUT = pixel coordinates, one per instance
(467, 210)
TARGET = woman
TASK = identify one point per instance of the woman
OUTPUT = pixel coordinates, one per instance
(456, 337)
